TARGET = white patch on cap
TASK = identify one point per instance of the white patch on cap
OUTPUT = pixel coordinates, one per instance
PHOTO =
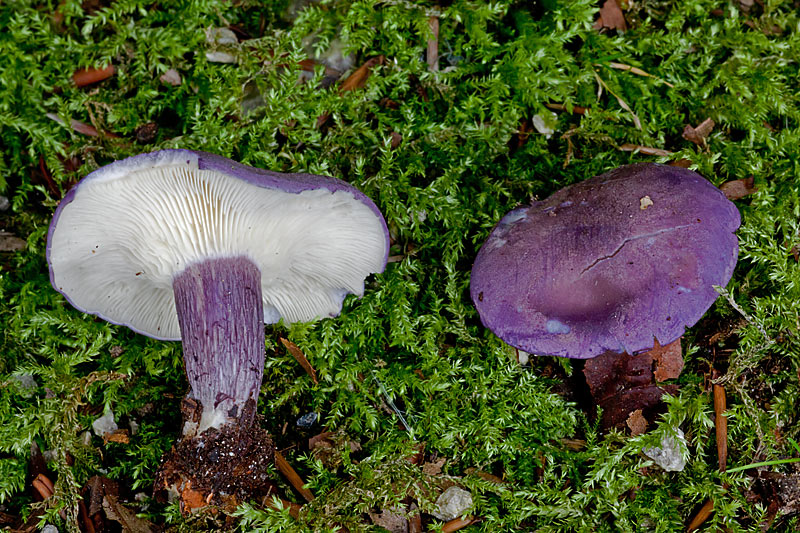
(124, 236)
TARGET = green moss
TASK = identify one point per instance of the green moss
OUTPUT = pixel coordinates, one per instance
(414, 340)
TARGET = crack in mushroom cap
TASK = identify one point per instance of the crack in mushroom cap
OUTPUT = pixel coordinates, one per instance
(119, 237)
(611, 263)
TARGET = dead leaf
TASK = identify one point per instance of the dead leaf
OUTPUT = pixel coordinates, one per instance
(611, 17)
(636, 422)
(88, 76)
(699, 134)
(300, 357)
(668, 360)
(396, 140)
(171, 77)
(80, 127)
(119, 436)
(434, 468)
(358, 79)
(737, 189)
(646, 150)
(620, 384)
(682, 163)
(392, 520)
(11, 243)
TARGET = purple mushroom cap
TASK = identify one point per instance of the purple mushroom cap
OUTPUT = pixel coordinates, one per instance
(611, 263)
(123, 232)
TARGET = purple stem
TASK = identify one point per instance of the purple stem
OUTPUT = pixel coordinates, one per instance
(222, 327)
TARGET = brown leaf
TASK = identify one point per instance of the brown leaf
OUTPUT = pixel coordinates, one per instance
(396, 140)
(668, 360)
(171, 77)
(358, 79)
(611, 17)
(119, 436)
(736, 189)
(682, 163)
(698, 135)
(620, 384)
(392, 520)
(300, 357)
(127, 519)
(434, 468)
(10, 243)
(636, 422)
(88, 76)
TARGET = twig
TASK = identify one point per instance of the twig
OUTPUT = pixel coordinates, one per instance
(638, 72)
(576, 109)
(646, 150)
(721, 424)
(433, 44)
(287, 470)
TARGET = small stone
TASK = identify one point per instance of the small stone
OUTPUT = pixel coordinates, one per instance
(105, 425)
(171, 77)
(307, 420)
(27, 385)
(453, 502)
(49, 528)
(545, 123)
(4, 203)
(216, 37)
(668, 456)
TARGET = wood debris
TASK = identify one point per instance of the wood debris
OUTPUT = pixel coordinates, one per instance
(646, 150)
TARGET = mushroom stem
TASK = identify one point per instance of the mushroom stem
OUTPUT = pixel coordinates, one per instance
(221, 318)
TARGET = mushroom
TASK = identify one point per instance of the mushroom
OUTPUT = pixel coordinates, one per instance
(608, 264)
(191, 246)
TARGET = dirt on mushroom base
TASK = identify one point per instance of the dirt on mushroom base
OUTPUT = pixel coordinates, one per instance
(220, 467)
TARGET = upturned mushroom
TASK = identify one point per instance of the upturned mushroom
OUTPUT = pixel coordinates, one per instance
(191, 246)
(608, 264)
